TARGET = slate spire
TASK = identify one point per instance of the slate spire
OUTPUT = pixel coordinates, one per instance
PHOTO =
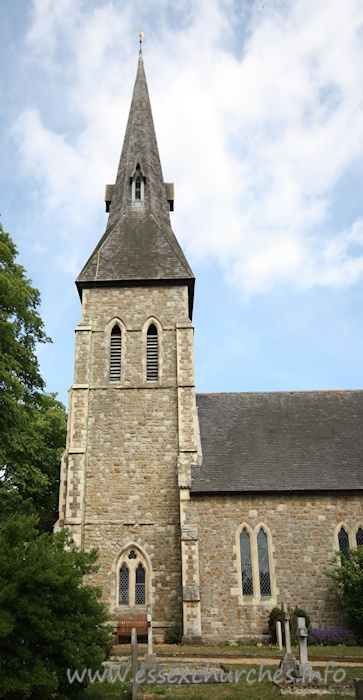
(138, 246)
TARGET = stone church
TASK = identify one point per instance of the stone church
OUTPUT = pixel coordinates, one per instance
(210, 508)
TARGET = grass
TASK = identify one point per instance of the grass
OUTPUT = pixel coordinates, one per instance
(224, 691)
(242, 690)
(231, 651)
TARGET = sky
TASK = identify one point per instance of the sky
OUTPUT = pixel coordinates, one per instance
(258, 110)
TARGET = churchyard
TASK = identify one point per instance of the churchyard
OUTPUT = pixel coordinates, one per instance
(239, 659)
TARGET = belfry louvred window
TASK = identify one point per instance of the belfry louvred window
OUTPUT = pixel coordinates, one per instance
(152, 354)
(115, 354)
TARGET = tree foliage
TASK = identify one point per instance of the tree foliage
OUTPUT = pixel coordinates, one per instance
(49, 620)
(21, 328)
(32, 423)
(31, 468)
(347, 574)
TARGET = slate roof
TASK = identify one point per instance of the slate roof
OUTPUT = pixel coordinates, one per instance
(138, 246)
(281, 441)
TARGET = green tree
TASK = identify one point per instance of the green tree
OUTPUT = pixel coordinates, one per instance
(31, 470)
(347, 575)
(21, 328)
(50, 621)
(32, 423)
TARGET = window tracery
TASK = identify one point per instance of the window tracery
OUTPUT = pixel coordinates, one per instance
(132, 586)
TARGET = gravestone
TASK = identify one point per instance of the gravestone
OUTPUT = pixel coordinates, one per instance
(279, 635)
(150, 662)
(134, 662)
(288, 664)
(305, 667)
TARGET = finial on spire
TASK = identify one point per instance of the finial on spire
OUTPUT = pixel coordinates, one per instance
(141, 35)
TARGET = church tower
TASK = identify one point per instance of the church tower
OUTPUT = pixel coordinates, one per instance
(132, 435)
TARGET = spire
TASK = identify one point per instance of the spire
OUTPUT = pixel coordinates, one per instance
(139, 245)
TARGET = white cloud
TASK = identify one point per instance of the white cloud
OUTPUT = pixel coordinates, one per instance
(257, 145)
(52, 164)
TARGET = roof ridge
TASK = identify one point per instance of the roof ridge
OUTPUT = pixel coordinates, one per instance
(285, 392)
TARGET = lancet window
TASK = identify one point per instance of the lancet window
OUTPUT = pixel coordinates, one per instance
(359, 536)
(343, 541)
(152, 353)
(115, 354)
(246, 563)
(263, 563)
(255, 563)
(137, 186)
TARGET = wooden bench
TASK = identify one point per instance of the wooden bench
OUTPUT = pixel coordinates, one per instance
(124, 627)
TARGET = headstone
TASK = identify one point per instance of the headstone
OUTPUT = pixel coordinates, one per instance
(134, 662)
(149, 631)
(279, 634)
(288, 664)
(150, 662)
(286, 616)
(305, 668)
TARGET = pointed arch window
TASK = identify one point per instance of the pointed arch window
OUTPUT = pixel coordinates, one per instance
(359, 537)
(263, 563)
(246, 563)
(115, 354)
(343, 541)
(140, 585)
(132, 579)
(152, 353)
(124, 585)
(137, 186)
(255, 564)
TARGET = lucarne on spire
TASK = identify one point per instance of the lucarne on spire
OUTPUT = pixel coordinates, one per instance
(138, 246)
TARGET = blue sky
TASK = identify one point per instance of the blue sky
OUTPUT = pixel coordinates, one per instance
(258, 111)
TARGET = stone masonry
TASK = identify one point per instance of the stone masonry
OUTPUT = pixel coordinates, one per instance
(146, 477)
(303, 534)
(126, 440)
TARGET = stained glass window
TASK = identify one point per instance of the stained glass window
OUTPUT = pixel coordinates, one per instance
(246, 563)
(140, 585)
(124, 585)
(263, 563)
(343, 540)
